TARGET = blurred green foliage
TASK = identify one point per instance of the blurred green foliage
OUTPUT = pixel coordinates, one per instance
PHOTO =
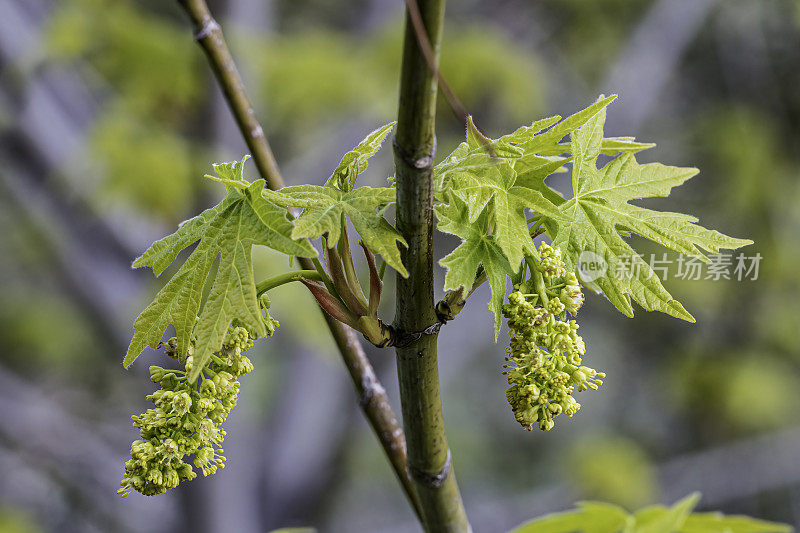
(145, 163)
(144, 58)
(738, 392)
(594, 32)
(152, 79)
(68, 344)
(16, 521)
(597, 517)
(318, 74)
(612, 468)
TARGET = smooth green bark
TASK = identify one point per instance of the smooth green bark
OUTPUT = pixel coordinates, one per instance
(429, 459)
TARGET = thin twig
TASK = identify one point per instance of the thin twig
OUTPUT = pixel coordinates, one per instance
(424, 42)
(208, 35)
(373, 399)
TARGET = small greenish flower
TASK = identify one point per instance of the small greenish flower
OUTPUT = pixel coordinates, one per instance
(186, 418)
(545, 353)
(156, 373)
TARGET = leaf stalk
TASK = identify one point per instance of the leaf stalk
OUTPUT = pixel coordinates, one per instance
(288, 277)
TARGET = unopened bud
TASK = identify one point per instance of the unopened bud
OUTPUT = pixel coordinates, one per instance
(156, 373)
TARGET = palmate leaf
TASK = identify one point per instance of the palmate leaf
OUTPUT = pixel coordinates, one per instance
(595, 517)
(354, 162)
(486, 183)
(228, 231)
(599, 211)
(478, 248)
(506, 176)
(324, 207)
(493, 190)
(497, 180)
(540, 139)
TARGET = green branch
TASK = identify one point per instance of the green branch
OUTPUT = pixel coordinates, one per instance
(429, 458)
(372, 396)
(208, 35)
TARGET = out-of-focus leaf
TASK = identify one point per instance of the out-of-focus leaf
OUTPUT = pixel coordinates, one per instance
(660, 519)
(614, 468)
(719, 523)
(594, 517)
(589, 517)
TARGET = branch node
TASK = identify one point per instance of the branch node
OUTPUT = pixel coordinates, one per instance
(421, 163)
(388, 334)
(371, 388)
(433, 481)
(401, 339)
(443, 312)
(209, 25)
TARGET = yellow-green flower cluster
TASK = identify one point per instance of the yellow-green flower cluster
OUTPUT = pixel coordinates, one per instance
(186, 418)
(545, 352)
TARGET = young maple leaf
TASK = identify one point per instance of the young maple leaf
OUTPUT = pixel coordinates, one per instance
(478, 248)
(228, 230)
(355, 161)
(598, 216)
(325, 206)
(494, 182)
(506, 176)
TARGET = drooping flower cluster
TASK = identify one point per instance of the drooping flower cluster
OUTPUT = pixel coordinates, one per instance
(545, 352)
(186, 418)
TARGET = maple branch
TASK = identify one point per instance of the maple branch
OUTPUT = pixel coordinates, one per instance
(372, 396)
(429, 459)
(431, 58)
